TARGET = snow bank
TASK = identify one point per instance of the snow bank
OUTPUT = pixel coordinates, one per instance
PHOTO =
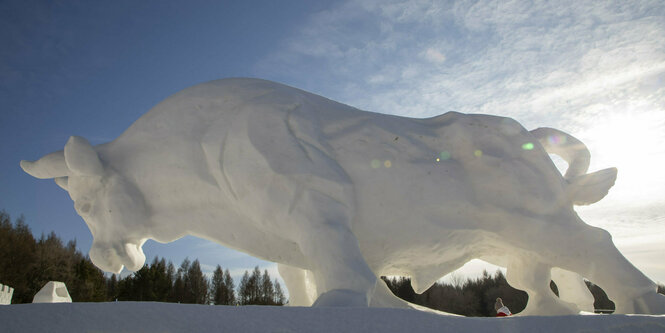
(168, 317)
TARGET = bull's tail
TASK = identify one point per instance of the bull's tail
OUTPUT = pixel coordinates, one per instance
(583, 188)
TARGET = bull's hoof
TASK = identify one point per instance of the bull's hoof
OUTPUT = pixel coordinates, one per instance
(342, 297)
(651, 303)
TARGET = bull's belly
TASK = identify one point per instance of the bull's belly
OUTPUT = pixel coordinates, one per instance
(433, 256)
(420, 218)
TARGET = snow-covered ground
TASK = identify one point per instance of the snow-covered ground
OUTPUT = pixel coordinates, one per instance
(169, 317)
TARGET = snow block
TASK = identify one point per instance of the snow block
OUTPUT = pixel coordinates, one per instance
(6, 293)
(53, 292)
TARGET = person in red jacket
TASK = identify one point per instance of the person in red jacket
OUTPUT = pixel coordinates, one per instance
(501, 310)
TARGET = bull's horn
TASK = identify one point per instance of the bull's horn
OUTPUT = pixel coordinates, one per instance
(50, 166)
(63, 182)
(81, 158)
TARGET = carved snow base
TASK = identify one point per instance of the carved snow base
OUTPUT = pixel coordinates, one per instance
(53, 292)
(6, 293)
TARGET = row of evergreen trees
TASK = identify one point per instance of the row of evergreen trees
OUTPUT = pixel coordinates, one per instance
(26, 264)
(474, 297)
(161, 282)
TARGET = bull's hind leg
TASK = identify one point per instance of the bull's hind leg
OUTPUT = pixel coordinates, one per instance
(534, 278)
(591, 253)
(572, 289)
(342, 276)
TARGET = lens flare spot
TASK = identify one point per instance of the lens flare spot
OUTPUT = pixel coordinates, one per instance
(438, 159)
(556, 139)
(387, 164)
(527, 146)
(375, 164)
(445, 155)
(478, 153)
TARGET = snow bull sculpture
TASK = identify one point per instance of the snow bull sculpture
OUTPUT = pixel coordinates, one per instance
(339, 196)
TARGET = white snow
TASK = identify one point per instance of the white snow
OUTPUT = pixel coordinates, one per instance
(338, 196)
(165, 317)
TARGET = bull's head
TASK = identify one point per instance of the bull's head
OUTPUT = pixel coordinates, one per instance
(111, 206)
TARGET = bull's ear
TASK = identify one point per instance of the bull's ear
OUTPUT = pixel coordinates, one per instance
(63, 182)
(81, 158)
(50, 166)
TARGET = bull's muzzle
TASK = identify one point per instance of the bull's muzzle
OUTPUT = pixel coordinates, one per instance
(114, 257)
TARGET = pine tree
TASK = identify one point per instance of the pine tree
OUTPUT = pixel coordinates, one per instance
(267, 289)
(19, 253)
(278, 298)
(198, 284)
(230, 288)
(243, 290)
(185, 294)
(171, 277)
(254, 286)
(218, 286)
(112, 288)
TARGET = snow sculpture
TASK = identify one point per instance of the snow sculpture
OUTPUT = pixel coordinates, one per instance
(6, 293)
(338, 196)
(53, 292)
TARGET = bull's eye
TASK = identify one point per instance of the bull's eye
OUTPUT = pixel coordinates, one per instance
(83, 208)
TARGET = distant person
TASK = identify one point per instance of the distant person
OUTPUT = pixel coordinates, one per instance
(501, 310)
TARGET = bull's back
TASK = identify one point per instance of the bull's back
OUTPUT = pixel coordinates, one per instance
(216, 129)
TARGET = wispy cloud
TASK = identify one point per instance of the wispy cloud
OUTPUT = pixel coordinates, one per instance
(521, 59)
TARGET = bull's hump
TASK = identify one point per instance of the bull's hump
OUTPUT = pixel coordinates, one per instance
(192, 110)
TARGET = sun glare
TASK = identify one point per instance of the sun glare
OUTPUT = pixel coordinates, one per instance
(633, 142)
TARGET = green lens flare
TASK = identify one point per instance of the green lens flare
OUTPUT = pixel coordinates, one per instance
(445, 155)
(527, 146)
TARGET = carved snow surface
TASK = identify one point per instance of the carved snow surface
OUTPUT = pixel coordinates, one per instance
(338, 196)
(53, 292)
(6, 293)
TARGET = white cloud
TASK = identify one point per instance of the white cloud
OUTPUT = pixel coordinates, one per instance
(434, 56)
(519, 58)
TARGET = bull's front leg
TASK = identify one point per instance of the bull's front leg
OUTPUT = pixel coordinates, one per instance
(342, 276)
(302, 290)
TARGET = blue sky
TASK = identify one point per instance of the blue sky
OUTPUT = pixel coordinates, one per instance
(593, 69)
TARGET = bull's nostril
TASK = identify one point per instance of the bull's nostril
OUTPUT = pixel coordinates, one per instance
(109, 254)
(106, 259)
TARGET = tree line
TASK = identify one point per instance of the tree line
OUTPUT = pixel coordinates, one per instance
(27, 264)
